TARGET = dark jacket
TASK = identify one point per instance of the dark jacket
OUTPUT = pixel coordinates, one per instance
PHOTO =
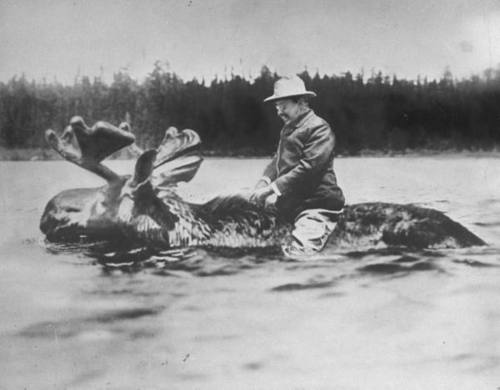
(302, 169)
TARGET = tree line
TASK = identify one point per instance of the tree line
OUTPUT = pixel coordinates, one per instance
(380, 112)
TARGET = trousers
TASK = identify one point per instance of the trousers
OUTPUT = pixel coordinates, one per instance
(310, 232)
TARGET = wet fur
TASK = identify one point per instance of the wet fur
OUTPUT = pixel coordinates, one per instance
(163, 218)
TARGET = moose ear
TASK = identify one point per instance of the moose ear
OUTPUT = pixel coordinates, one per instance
(144, 167)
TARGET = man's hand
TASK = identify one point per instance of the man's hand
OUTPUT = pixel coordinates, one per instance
(271, 200)
(261, 184)
(260, 195)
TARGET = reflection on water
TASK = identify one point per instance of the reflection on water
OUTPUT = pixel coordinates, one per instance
(90, 317)
(74, 326)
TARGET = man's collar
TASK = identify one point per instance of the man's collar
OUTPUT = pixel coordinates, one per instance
(299, 121)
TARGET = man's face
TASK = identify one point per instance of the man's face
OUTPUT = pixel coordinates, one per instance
(287, 109)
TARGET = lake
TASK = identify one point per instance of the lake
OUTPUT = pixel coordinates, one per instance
(253, 320)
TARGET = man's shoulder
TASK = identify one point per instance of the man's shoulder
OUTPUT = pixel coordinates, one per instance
(315, 121)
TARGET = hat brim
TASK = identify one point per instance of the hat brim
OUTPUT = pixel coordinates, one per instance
(275, 97)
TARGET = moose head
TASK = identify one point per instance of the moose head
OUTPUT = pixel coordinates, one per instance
(126, 205)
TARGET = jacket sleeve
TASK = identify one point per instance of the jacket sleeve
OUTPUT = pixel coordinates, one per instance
(271, 171)
(317, 152)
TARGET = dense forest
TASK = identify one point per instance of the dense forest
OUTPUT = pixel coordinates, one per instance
(368, 113)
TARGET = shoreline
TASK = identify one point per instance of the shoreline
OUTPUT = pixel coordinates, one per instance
(39, 154)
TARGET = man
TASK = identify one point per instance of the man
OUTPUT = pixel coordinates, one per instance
(300, 180)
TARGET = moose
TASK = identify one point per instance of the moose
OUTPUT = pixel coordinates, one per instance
(144, 207)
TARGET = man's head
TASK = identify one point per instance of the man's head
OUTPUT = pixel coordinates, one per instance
(289, 109)
(290, 97)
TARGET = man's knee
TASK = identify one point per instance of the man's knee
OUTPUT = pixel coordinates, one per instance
(311, 231)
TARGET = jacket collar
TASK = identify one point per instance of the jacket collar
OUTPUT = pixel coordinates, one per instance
(300, 120)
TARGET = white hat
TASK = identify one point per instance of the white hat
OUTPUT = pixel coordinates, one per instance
(287, 87)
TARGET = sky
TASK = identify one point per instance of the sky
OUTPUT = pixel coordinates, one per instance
(63, 39)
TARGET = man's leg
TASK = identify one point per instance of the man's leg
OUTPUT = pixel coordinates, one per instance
(310, 232)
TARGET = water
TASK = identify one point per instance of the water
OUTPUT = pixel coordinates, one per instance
(226, 320)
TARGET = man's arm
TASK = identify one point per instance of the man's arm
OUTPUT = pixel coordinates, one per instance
(269, 174)
(316, 156)
(265, 186)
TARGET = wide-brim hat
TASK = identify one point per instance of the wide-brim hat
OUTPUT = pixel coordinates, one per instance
(287, 87)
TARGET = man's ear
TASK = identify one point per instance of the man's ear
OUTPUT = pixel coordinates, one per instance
(303, 101)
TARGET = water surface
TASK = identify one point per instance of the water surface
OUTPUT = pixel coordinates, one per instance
(251, 320)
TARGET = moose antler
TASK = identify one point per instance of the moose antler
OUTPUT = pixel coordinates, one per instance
(175, 144)
(178, 157)
(87, 147)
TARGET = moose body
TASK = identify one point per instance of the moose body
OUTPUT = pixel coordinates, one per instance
(145, 208)
(232, 221)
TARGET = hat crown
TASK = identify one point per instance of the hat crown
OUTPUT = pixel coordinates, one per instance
(287, 87)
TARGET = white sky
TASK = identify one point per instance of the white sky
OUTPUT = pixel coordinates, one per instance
(62, 38)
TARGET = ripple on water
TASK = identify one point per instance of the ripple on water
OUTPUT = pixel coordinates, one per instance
(302, 286)
(182, 263)
(475, 263)
(77, 326)
(392, 262)
(253, 366)
(395, 268)
(477, 363)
